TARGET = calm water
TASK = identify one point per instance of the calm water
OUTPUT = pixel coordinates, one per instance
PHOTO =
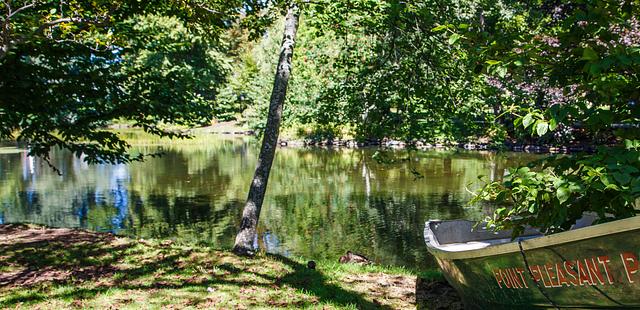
(320, 203)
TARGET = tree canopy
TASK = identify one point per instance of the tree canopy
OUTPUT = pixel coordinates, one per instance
(71, 67)
(551, 73)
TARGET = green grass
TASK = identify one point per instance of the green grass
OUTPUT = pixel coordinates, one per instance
(10, 150)
(62, 269)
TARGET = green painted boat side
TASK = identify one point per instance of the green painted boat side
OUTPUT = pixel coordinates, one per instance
(594, 267)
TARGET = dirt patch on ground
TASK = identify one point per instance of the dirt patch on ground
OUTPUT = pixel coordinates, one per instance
(22, 234)
(387, 290)
(436, 295)
(24, 252)
(394, 290)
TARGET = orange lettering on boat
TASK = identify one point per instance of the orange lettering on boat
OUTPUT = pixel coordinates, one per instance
(594, 272)
(508, 282)
(496, 274)
(583, 274)
(535, 273)
(630, 262)
(520, 271)
(562, 280)
(542, 277)
(604, 261)
(514, 276)
(551, 274)
(568, 267)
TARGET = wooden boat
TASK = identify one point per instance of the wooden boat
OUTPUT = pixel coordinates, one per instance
(593, 267)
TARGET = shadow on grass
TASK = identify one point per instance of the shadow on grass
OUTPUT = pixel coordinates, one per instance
(53, 255)
(82, 265)
(315, 283)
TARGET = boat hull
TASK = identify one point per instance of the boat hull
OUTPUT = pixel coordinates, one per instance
(590, 268)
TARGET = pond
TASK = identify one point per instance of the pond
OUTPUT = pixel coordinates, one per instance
(319, 204)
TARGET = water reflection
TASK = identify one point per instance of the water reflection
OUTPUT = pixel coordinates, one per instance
(119, 193)
(320, 203)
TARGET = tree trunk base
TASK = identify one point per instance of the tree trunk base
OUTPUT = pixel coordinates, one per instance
(242, 251)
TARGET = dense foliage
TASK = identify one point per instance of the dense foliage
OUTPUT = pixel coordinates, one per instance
(538, 72)
(565, 69)
(370, 69)
(70, 67)
(547, 72)
(402, 79)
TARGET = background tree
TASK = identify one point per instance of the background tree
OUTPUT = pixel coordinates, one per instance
(402, 80)
(85, 64)
(374, 69)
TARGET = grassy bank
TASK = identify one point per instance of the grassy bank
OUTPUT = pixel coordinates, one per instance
(63, 268)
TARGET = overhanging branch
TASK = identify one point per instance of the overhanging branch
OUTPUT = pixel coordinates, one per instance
(11, 14)
(208, 9)
(70, 20)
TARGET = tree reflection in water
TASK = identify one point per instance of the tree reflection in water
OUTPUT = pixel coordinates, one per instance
(320, 203)
(119, 193)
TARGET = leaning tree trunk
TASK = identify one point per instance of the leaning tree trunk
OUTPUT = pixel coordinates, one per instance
(251, 212)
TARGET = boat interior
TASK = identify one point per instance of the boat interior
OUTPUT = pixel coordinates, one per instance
(463, 235)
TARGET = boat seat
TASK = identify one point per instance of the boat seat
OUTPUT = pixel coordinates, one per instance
(472, 245)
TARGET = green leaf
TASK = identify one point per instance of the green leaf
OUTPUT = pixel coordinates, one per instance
(439, 28)
(553, 124)
(454, 38)
(635, 186)
(502, 71)
(594, 69)
(622, 178)
(631, 144)
(542, 128)
(563, 194)
(624, 59)
(589, 54)
(492, 62)
(527, 120)
(612, 187)
(517, 122)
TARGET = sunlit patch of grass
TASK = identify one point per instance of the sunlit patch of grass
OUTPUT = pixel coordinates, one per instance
(120, 273)
(11, 150)
(198, 136)
(7, 268)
